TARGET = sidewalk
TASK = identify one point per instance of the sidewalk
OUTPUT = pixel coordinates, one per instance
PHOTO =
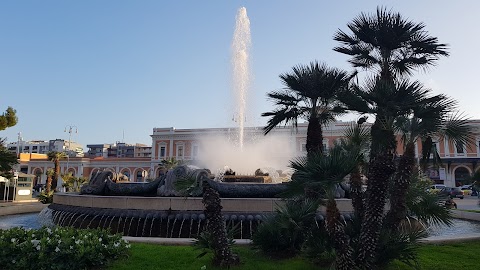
(23, 207)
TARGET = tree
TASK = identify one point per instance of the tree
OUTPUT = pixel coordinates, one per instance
(8, 118)
(325, 172)
(222, 252)
(72, 183)
(389, 44)
(434, 121)
(50, 173)
(356, 138)
(393, 47)
(310, 93)
(7, 159)
(55, 157)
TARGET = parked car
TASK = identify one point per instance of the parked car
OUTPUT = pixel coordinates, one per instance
(467, 190)
(453, 192)
(436, 188)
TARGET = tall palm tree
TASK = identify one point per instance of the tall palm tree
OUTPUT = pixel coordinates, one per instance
(55, 157)
(310, 93)
(393, 47)
(389, 44)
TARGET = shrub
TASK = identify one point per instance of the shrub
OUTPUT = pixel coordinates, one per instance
(58, 248)
(285, 233)
(45, 197)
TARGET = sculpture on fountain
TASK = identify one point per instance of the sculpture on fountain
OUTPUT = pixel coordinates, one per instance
(105, 183)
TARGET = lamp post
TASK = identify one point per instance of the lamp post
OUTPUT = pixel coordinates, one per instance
(69, 129)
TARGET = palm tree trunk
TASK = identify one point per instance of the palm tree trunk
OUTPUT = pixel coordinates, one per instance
(56, 174)
(223, 255)
(381, 167)
(336, 230)
(401, 183)
(356, 193)
(49, 184)
(314, 136)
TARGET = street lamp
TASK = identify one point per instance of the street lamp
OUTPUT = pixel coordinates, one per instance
(69, 129)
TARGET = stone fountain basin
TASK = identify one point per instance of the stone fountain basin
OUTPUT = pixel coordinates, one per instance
(240, 205)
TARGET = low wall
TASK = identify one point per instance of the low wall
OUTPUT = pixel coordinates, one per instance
(21, 208)
(254, 205)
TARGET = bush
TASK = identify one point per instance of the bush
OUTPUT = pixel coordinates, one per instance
(45, 197)
(59, 248)
(285, 233)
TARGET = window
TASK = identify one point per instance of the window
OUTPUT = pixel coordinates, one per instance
(163, 151)
(460, 148)
(139, 176)
(435, 148)
(179, 151)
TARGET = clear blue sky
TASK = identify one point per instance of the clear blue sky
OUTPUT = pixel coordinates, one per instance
(114, 67)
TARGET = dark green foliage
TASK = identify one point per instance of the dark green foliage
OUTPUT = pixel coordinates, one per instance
(320, 173)
(7, 161)
(399, 245)
(45, 197)
(310, 93)
(219, 243)
(389, 44)
(428, 208)
(8, 118)
(284, 233)
(188, 186)
(205, 241)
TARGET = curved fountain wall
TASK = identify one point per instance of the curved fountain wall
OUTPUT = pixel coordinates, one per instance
(171, 217)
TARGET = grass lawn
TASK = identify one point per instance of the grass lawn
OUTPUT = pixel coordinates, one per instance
(150, 256)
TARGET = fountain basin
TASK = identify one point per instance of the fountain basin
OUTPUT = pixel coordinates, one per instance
(167, 217)
(245, 205)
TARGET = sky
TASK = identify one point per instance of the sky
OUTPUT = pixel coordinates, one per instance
(114, 70)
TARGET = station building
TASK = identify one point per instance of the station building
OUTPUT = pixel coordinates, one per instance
(188, 145)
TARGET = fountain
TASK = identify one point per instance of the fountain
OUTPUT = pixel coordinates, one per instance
(241, 76)
(157, 209)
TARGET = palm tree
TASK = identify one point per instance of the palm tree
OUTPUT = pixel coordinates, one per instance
(434, 121)
(49, 174)
(55, 157)
(324, 172)
(310, 93)
(394, 47)
(390, 44)
(356, 138)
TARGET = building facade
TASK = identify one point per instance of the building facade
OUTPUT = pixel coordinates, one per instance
(73, 149)
(139, 162)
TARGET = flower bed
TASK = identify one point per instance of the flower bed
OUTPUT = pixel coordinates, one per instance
(59, 248)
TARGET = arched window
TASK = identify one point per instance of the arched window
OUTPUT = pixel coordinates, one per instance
(461, 173)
